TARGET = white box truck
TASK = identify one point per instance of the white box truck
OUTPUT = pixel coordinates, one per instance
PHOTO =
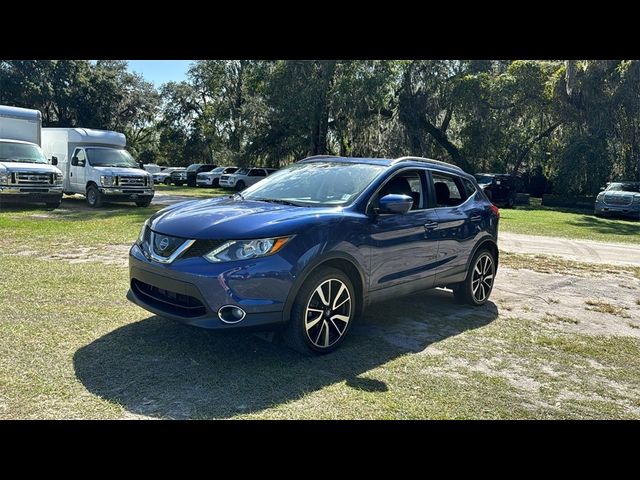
(96, 164)
(25, 175)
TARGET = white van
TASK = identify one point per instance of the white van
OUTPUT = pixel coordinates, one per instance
(96, 164)
(25, 175)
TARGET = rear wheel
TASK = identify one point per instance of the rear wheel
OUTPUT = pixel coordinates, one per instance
(322, 313)
(475, 290)
(94, 197)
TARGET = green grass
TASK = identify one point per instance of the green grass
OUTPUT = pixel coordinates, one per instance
(199, 192)
(538, 220)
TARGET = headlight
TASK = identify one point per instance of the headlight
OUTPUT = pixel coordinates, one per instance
(59, 177)
(150, 180)
(4, 178)
(106, 180)
(636, 199)
(246, 249)
(141, 235)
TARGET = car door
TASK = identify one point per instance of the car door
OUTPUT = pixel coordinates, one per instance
(403, 252)
(77, 173)
(458, 222)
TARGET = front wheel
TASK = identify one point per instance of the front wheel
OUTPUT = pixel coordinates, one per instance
(145, 203)
(322, 313)
(53, 204)
(240, 185)
(94, 197)
(475, 290)
(167, 181)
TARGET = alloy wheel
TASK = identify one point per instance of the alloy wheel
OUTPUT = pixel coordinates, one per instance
(482, 279)
(328, 313)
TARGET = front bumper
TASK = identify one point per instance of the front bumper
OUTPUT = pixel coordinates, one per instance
(204, 182)
(31, 194)
(632, 210)
(192, 290)
(227, 184)
(127, 195)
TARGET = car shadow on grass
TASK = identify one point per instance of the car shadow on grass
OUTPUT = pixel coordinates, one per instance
(160, 368)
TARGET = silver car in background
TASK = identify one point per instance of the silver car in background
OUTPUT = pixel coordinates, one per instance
(212, 178)
(619, 198)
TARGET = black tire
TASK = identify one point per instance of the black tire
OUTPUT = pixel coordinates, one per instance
(240, 185)
(167, 181)
(464, 292)
(146, 203)
(307, 337)
(94, 197)
(215, 183)
(53, 204)
(511, 203)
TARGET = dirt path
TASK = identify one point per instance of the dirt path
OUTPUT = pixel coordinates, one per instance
(579, 250)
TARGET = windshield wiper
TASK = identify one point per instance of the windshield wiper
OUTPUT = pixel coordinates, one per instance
(276, 200)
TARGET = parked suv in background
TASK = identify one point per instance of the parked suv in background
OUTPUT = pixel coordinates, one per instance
(310, 247)
(501, 188)
(195, 169)
(179, 177)
(245, 177)
(212, 178)
(165, 175)
(619, 198)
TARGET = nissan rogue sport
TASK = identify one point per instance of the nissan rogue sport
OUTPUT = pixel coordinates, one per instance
(309, 248)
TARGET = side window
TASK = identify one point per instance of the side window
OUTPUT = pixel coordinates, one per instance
(469, 187)
(257, 172)
(82, 158)
(404, 183)
(448, 190)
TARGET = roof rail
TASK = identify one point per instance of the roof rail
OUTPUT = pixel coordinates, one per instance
(426, 160)
(313, 157)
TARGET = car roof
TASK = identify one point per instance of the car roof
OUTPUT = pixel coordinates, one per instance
(388, 162)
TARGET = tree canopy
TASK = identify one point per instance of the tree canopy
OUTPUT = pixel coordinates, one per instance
(577, 123)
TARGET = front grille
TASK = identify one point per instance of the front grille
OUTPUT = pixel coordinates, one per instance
(618, 199)
(165, 245)
(33, 178)
(201, 248)
(167, 301)
(133, 181)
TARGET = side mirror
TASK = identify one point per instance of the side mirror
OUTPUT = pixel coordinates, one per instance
(74, 161)
(394, 203)
(602, 189)
(54, 160)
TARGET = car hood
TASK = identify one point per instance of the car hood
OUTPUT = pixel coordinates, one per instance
(620, 193)
(225, 218)
(28, 167)
(121, 171)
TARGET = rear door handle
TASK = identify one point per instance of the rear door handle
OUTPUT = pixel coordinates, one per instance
(475, 218)
(431, 225)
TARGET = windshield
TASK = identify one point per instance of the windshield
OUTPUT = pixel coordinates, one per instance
(110, 157)
(193, 167)
(317, 183)
(484, 178)
(218, 170)
(624, 187)
(21, 152)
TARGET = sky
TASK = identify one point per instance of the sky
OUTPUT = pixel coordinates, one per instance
(161, 71)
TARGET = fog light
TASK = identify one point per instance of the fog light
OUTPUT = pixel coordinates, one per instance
(231, 314)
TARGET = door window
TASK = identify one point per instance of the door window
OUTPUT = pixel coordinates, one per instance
(448, 190)
(82, 158)
(257, 172)
(404, 183)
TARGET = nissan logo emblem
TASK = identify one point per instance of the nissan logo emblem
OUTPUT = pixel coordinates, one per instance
(164, 243)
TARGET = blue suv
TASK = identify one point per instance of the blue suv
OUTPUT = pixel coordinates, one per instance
(308, 248)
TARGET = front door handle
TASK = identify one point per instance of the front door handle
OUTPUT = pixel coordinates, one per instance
(475, 218)
(431, 225)
(71, 174)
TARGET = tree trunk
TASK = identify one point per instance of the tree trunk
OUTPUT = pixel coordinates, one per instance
(320, 125)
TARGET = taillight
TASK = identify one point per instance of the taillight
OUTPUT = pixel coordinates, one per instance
(495, 210)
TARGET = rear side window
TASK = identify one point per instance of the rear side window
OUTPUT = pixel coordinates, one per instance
(257, 172)
(448, 189)
(469, 187)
